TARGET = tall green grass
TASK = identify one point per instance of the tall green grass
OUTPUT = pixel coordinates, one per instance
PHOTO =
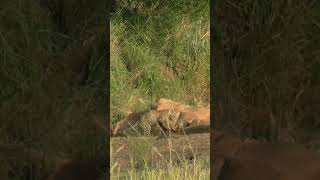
(160, 51)
(41, 106)
(267, 56)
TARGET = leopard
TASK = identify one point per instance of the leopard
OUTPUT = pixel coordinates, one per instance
(158, 119)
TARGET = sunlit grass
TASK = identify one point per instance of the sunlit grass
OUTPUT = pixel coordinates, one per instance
(164, 55)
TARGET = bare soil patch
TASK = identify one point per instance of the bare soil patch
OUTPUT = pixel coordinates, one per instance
(178, 148)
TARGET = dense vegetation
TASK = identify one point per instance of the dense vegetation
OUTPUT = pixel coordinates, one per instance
(267, 67)
(159, 50)
(53, 78)
(52, 83)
